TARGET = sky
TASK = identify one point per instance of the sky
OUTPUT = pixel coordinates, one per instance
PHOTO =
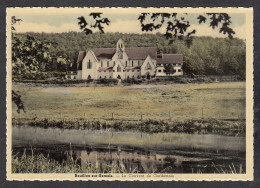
(125, 22)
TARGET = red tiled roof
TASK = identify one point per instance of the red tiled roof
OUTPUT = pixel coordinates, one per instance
(132, 53)
(104, 53)
(170, 59)
(141, 52)
(132, 68)
(105, 68)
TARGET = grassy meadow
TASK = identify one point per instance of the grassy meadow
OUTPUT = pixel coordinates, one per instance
(158, 102)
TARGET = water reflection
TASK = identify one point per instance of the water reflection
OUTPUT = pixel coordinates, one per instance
(137, 162)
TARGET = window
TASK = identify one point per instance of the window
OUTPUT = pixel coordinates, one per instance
(100, 77)
(148, 66)
(68, 77)
(105, 71)
(113, 70)
(159, 70)
(127, 70)
(118, 68)
(108, 64)
(133, 70)
(138, 63)
(137, 70)
(132, 63)
(74, 77)
(123, 70)
(159, 64)
(126, 63)
(101, 64)
(89, 65)
(179, 70)
(114, 63)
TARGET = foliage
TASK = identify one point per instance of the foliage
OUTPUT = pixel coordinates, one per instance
(40, 163)
(206, 55)
(176, 27)
(97, 25)
(16, 98)
(107, 81)
(203, 126)
(168, 69)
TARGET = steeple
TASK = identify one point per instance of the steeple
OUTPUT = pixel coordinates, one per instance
(120, 46)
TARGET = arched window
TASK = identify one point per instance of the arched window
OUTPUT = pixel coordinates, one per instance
(148, 66)
(118, 68)
(89, 65)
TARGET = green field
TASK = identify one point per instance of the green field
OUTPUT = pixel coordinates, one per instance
(159, 102)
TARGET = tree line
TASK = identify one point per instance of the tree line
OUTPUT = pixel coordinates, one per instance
(204, 56)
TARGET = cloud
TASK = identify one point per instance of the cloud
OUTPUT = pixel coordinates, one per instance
(124, 26)
(34, 27)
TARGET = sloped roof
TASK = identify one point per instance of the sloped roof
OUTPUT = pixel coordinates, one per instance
(81, 55)
(132, 68)
(133, 53)
(169, 59)
(105, 68)
(104, 53)
(141, 52)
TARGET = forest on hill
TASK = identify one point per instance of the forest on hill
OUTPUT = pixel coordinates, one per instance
(205, 56)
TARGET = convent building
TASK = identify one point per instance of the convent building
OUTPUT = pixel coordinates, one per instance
(124, 63)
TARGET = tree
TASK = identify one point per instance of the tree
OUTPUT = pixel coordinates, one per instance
(177, 28)
(168, 69)
(28, 56)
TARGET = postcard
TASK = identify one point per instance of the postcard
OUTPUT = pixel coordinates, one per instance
(146, 94)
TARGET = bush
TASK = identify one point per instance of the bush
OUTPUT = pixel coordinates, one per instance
(107, 81)
(132, 81)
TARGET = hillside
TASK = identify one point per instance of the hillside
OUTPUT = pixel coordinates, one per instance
(206, 55)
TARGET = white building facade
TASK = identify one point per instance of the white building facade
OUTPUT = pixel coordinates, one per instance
(125, 63)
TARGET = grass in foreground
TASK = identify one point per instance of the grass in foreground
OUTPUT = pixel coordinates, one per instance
(158, 102)
(44, 164)
(39, 163)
